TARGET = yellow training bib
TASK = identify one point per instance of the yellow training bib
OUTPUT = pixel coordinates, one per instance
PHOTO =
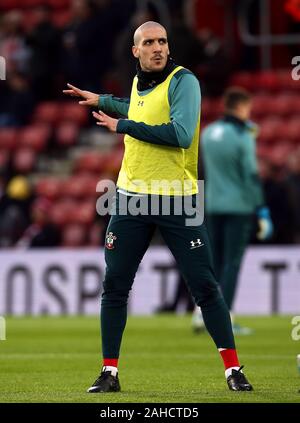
(155, 169)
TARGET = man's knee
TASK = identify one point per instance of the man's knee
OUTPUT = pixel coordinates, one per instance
(206, 293)
(116, 288)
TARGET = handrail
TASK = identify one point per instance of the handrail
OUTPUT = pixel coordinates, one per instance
(265, 38)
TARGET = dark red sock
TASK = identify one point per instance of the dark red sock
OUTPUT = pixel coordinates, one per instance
(110, 362)
(230, 358)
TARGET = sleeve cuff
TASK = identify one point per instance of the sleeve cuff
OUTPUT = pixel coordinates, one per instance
(122, 126)
(102, 101)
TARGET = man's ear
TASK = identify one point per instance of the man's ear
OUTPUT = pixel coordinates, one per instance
(135, 52)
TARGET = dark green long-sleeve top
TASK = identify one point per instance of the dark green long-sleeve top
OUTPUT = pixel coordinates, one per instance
(232, 184)
(184, 98)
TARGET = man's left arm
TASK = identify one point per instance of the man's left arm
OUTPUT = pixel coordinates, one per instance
(252, 180)
(184, 97)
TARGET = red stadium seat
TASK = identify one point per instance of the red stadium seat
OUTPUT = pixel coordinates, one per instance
(265, 81)
(10, 4)
(280, 152)
(80, 187)
(35, 136)
(295, 105)
(49, 187)
(8, 138)
(29, 20)
(30, 3)
(84, 213)
(282, 105)
(92, 161)
(290, 130)
(286, 82)
(61, 18)
(62, 211)
(269, 130)
(47, 112)
(242, 79)
(260, 105)
(24, 160)
(59, 4)
(67, 134)
(74, 112)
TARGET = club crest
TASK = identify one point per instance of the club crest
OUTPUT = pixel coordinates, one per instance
(110, 238)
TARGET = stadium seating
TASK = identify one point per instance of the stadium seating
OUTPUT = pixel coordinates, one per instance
(276, 110)
(70, 111)
(90, 162)
(49, 187)
(47, 112)
(8, 138)
(66, 134)
(24, 160)
(35, 136)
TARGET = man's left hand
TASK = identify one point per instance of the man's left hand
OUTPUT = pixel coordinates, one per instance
(105, 120)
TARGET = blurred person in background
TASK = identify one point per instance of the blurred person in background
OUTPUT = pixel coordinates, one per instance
(44, 42)
(233, 193)
(14, 210)
(214, 67)
(13, 44)
(87, 41)
(277, 184)
(293, 182)
(17, 101)
(188, 49)
(41, 233)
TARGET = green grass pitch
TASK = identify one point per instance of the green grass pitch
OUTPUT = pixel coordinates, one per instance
(54, 359)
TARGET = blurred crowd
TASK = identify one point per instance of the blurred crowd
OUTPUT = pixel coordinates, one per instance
(88, 43)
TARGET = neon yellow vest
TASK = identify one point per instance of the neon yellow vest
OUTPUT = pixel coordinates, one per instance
(155, 169)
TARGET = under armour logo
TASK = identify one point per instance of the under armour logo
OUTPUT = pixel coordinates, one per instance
(196, 244)
(140, 103)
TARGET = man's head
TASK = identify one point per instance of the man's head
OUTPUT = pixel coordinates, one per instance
(237, 102)
(151, 46)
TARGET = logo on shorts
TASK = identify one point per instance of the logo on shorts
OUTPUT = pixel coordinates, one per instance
(110, 238)
(196, 244)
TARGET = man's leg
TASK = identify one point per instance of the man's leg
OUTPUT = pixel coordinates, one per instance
(127, 239)
(191, 248)
(237, 233)
(195, 264)
(133, 235)
(215, 228)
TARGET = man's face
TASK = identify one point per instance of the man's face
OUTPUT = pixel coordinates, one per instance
(152, 49)
(244, 110)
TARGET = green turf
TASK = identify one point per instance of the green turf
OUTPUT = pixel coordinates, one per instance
(52, 359)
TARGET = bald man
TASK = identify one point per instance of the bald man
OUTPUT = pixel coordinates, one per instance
(161, 122)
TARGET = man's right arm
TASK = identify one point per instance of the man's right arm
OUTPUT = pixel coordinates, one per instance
(104, 102)
(110, 104)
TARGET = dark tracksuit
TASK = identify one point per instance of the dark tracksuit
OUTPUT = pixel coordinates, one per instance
(128, 236)
(232, 193)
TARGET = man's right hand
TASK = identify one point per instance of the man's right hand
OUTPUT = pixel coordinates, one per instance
(90, 99)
